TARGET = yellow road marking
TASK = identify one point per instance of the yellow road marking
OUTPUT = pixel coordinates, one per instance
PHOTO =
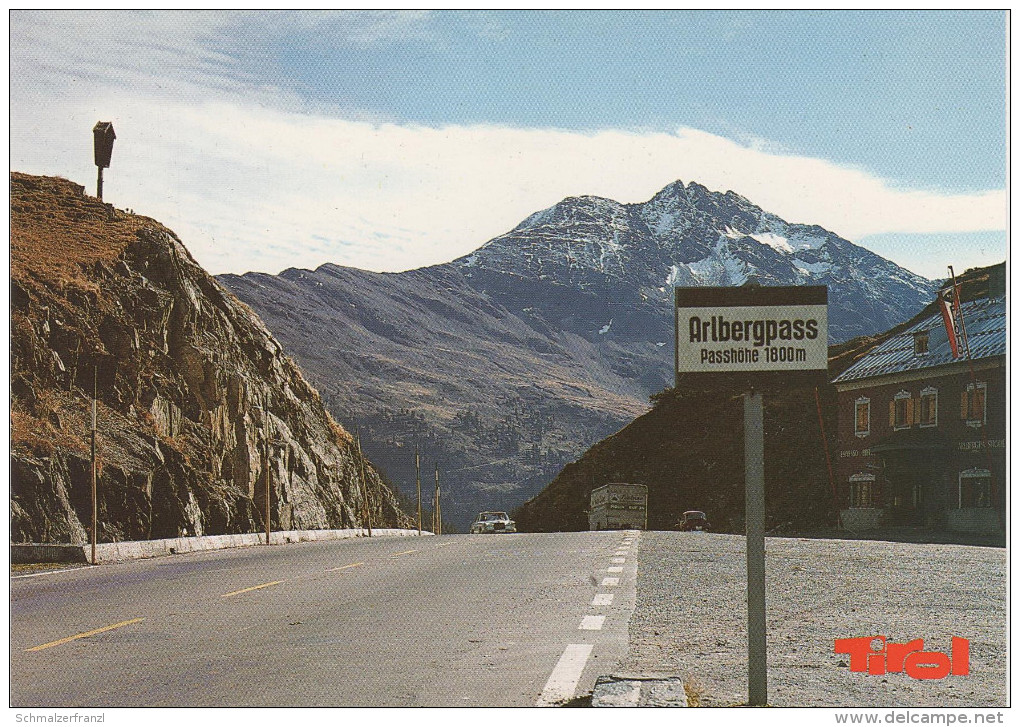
(85, 634)
(403, 553)
(344, 567)
(253, 588)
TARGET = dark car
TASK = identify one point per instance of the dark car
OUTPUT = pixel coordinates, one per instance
(694, 520)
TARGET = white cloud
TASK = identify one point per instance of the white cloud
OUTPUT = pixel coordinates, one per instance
(204, 147)
(250, 188)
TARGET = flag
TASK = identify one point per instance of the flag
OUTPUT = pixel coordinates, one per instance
(949, 303)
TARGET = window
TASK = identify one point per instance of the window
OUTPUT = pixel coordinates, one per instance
(972, 406)
(902, 410)
(929, 406)
(862, 417)
(920, 343)
(862, 486)
(975, 488)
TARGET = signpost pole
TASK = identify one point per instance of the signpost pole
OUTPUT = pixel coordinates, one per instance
(761, 330)
(754, 483)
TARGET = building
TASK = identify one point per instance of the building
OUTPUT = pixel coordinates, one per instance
(922, 435)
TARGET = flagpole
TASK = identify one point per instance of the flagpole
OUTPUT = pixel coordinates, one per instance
(958, 307)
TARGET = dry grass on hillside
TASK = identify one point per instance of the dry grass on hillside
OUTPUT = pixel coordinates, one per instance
(58, 232)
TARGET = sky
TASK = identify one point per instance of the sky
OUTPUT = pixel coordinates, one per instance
(391, 140)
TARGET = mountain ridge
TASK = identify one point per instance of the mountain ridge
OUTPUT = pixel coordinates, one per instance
(551, 336)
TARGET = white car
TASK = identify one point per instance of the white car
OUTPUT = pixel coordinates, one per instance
(493, 522)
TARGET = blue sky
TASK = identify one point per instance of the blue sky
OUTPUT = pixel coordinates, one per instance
(391, 140)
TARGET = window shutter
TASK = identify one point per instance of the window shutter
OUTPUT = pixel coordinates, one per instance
(963, 404)
(916, 403)
(892, 413)
(909, 419)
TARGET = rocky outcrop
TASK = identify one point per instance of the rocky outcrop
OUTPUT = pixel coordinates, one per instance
(197, 402)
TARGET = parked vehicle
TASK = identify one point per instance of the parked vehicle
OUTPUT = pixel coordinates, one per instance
(694, 520)
(493, 522)
(618, 506)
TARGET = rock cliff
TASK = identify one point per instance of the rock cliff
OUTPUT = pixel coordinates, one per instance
(191, 387)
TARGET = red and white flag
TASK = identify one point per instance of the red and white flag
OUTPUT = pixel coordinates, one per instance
(949, 302)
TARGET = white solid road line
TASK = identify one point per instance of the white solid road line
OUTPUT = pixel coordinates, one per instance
(592, 623)
(565, 675)
(610, 581)
(602, 599)
(54, 572)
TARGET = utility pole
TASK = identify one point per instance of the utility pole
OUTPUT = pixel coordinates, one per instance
(265, 463)
(364, 486)
(95, 508)
(438, 509)
(417, 482)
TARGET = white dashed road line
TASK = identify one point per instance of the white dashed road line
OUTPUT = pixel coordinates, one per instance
(565, 676)
(568, 670)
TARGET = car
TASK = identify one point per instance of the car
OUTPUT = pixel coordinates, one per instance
(493, 522)
(694, 520)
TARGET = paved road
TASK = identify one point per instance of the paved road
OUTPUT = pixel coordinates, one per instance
(439, 621)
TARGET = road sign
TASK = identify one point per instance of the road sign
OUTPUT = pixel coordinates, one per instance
(751, 328)
(757, 330)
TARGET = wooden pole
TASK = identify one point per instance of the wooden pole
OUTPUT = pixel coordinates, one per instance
(417, 482)
(95, 506)
(99, 185)
(265, 463)
(439, 509)
(364, 486)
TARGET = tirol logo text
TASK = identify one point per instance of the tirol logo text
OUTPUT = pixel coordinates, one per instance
(875, 655)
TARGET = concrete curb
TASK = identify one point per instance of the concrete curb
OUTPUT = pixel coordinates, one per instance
(639, 691)
(134, 550)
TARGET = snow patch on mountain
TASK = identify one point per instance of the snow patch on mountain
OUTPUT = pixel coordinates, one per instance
(773, 240)
(818, 268)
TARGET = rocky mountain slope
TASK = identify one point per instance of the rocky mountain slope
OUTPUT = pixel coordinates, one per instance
(689, 451)
(190, 385)
(507, 363)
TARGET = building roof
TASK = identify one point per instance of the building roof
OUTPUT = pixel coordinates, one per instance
(985, 320)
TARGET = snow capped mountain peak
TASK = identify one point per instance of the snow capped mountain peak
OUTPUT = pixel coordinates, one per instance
(687, 234)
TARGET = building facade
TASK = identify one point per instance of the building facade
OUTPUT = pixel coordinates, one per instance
(921, 433)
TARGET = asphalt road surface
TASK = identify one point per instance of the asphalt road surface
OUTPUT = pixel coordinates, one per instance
(504, 620)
